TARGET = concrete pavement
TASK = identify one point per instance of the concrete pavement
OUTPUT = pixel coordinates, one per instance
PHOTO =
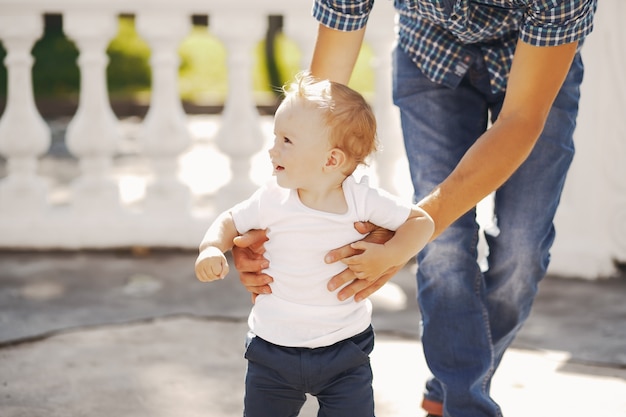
(133, 334)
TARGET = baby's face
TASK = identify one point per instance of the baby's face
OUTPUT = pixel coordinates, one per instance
(300, 143)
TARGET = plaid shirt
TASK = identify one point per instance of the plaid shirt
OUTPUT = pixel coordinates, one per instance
(444, 37)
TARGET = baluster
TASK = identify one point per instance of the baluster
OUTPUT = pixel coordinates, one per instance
(165, 133)
(94, 132)
(391, 166)
(24, 136)
(301, 27)
(239, 135)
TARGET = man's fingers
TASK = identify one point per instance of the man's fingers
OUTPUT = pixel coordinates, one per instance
(365, 291)
(340, 253)
(340, 279)
(250, 237)
(374, 233)
(256, 283)
(369, 290)
(248, 251)
(252, 280)
(365, 227)
(253, 240)
(260, 289)
(359, 288)
(379, 235)
(353, 288)
(247, 261)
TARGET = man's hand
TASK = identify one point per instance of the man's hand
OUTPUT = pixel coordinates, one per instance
(361, 289)
(249, 262)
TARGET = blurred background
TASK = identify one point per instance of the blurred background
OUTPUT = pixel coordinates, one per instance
(132, 123)
(120, 114)
(202, 75)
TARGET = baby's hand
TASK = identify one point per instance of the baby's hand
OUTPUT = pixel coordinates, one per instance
(370, 263)
(211, 265)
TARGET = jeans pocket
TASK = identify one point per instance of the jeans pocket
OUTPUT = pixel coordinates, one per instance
(363, 341)
(251, 340)
(355, 351)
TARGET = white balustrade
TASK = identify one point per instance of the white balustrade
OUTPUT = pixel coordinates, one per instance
(302, 29)
(24, 136)
(392, 167)
(93, 135)
(240, 135)
(165, 134)
(591, 223)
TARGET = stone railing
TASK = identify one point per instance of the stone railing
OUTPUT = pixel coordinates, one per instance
(93, 214)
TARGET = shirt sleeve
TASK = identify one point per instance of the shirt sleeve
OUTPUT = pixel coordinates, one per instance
(246, 214)
(386, 210)
(558, 22)
(379, 206)
(346, 15)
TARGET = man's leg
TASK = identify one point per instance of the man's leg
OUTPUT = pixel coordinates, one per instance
(439, 125)
(524, 210)
(518, 259)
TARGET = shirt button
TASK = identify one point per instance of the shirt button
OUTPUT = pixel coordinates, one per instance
(454, 17)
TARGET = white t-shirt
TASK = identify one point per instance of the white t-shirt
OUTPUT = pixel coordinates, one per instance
(300, 311)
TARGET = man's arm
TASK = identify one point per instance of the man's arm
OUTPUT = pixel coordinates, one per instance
(336, 53)
(536, 76)
(408, 240)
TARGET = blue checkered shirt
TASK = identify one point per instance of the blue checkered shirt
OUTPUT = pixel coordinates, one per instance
(444, 37)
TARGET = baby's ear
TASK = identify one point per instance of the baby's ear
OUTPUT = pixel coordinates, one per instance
(335, 159)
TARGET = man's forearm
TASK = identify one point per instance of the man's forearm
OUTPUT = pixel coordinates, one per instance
(536, 76)
(484, 168)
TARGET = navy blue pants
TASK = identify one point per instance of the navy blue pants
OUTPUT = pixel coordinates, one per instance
(339, 376)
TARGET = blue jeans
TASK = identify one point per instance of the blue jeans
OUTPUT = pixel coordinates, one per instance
(339, 376)
(469, 316)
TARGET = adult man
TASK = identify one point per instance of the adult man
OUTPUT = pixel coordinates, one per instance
(458, 63)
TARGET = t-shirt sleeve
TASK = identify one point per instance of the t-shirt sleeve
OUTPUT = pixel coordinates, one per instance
(246, 214)
(380, 207)
(552, 22)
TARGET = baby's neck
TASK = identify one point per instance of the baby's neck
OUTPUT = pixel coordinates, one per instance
(330, 199)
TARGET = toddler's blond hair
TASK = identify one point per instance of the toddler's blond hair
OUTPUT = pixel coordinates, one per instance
(349, 118)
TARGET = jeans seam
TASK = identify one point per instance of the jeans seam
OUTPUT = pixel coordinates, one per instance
(480, 294)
